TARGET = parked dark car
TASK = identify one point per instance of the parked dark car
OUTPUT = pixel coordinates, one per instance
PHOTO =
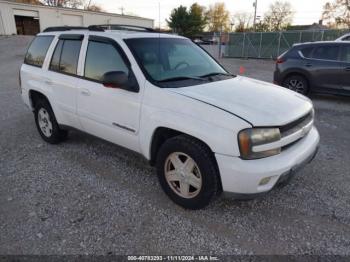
(320, 67)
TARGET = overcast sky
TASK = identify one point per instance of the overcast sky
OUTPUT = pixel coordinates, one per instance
(306, 11)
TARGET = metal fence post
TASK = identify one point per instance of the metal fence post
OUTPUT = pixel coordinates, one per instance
(279, 44)
(243, 45)
(260, 45)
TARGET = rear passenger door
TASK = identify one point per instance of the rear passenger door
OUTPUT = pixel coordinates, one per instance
(345, 75)
(62, 77)
(110, 113)
(325, 67)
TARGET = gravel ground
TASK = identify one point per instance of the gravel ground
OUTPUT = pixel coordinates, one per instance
(87, 196)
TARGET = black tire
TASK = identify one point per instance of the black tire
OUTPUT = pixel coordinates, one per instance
(57, 135)
(297, 83)
(205, 161)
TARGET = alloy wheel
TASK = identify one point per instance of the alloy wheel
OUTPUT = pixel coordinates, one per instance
(44, 122)
(183, 175)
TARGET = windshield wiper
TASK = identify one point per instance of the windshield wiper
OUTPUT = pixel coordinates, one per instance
(179, 78)
(215, 74)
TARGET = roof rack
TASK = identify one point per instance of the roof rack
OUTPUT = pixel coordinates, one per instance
(123, 27)
(68, 28)
(101, 28)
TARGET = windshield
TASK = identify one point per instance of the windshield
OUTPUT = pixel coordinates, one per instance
(171, 62)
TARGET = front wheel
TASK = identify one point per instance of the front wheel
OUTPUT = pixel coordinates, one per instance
(187, 172)
(297, 83)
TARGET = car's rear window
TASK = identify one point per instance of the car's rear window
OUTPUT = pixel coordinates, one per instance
(37, 50)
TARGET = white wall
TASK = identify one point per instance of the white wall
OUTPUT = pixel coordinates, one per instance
(53, 16)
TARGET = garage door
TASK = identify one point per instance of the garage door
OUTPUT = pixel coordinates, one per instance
(72, 20)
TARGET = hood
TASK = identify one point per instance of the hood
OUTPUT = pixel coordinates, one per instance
(259, 103)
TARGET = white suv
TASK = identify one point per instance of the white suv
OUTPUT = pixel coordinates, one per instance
(161, 95)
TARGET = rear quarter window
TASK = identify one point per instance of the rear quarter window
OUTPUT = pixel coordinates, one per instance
(306, 51)
(37, 50)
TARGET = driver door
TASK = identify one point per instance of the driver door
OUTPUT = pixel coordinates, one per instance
(109, 113)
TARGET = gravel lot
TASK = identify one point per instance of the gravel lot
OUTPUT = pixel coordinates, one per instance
(87, 196)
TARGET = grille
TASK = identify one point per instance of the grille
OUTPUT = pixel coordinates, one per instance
(296, 125)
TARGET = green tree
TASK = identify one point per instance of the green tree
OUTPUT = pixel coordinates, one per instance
(337, 13)
(197, 20)
(178, 20)
(218, 18)
(187, 22)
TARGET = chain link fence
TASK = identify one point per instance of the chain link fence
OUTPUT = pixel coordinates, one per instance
(272, 44)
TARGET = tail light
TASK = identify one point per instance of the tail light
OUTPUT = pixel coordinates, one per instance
(280, 60)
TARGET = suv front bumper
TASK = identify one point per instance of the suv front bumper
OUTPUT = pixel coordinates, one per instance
(243, 178)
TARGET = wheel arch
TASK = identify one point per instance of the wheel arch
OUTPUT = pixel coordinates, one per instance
(35, 96)
(162, 134)
(301, 73)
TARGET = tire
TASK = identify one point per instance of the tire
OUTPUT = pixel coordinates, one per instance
(46, 123)
(190, 189)
(297, 83)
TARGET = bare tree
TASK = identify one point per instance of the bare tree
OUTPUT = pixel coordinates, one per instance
(242, 21)
(337, 13)
(94, 7)
(279, 16)
(64, 3)
(218, 18)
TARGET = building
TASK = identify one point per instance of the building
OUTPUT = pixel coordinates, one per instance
(25, 19)
(314, 26)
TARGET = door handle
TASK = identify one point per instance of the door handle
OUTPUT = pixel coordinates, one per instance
(308, 65)
(347, 68)
(85, 92)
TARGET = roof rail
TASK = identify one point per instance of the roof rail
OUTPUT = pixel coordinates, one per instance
(101, 28)
(123, 27)
(68, 28)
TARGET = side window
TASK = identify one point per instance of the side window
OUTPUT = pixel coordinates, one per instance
(326, 52)
(345, 54)
(102, 58)
(55, 60)
(66, 56)
(306, 51)
(37, 51)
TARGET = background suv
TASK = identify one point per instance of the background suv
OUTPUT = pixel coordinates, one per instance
(322, 67)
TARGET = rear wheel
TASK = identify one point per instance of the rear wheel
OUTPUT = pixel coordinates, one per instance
(46, 123)
(187, 172)
(297, 83)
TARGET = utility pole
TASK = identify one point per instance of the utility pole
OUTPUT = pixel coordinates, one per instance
(122, 10)
(255, 4)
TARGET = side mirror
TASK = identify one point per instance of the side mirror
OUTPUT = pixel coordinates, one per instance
(120, 79)
(115, 79)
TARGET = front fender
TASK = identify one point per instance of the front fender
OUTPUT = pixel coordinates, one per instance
(219, 140)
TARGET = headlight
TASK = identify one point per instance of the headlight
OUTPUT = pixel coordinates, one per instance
(251, 137)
